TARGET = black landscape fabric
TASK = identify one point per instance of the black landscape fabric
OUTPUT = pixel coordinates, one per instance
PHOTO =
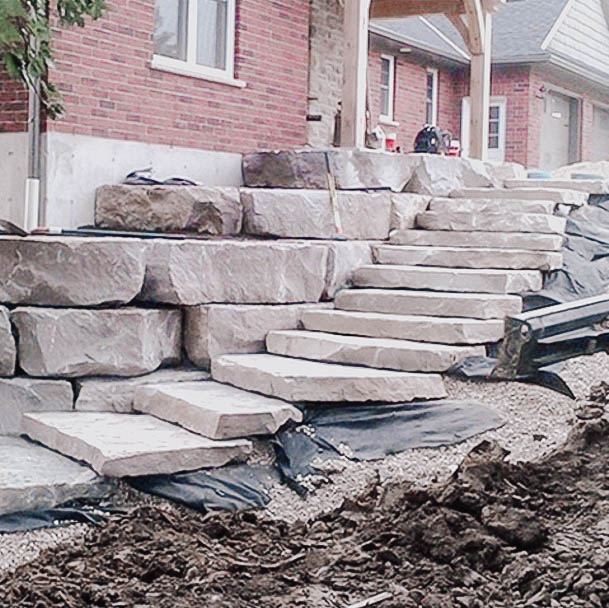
(48, 518)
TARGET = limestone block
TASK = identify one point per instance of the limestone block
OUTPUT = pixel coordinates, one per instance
(77, 342)
(437, 175)
(496, 240)
(200, 209)
(116, 394)
(22, 395)
(123, 445)
(405, 208)
(309, 214)
(216, 410)
(500, 171)
(352, 169)
(490, 205)
(383, 353)
(461, 280)
(71, 271)
(560, 197)
(33, 478)
(8, 351)
(588, 186)
(218, 329)
(196, 272)
(599, 168)
(299, 380)
(492, 222)
(428, 303)
(404, 327)
(471, 257)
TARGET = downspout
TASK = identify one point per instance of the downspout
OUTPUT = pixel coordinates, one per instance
(34, 214)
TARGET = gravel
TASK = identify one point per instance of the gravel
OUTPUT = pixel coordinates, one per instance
(537, 422)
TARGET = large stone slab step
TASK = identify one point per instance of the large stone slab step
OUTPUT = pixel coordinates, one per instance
(381, 353)
(215, 410)
(299, 380)
(587, 186)
(34, 478)
(428, 303)
(458, 257)
(124, 445)
(491, 205)
(465, 280)
(463, 239)
(492, 222)
(556, 195)
(405, 327)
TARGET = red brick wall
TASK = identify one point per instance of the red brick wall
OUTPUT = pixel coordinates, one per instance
(13, 104)
(111, 91)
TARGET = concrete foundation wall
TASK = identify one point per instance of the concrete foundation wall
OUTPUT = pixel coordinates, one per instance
(13, 173)
(76, 165)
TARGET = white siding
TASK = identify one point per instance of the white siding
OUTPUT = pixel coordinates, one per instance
(584, 35)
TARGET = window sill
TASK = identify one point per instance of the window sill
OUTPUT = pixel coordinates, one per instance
(175, 67)
(388, 122)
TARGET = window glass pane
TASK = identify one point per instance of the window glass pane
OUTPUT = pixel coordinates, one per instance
(212, 26)
(385, 101)
(494, 127)
(385, 72)
(493, 142)
(170, 28)
(494, 110)
(429, 113)
(430, 86)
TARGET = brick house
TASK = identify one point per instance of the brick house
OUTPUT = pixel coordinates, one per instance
(187, 87)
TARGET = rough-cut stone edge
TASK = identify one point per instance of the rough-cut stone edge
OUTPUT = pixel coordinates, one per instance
(8, 348)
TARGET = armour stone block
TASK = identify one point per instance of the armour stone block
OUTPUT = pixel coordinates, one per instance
(405, 208)
(71, 271)
(123, 445)
(490, 205)
(560, 197)
(195, 272)
(198, 209)
(77, 342)
(343, 260)
(8, 351)
(587, 186)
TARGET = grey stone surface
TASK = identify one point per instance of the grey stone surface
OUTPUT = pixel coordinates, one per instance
(343, 259)
(435, 304)
(200, 209)
(597, 168)
(405, 208)
(195, 272)
(382, 353)
(79, 342)
(123, 445)
(70, 271)
(22, 395)
(461, 280)
(491, 222)
(461, 257)
(299, 380)
(404, 327)
(563, 197)
(309, 214)
(496, 240)
(352, 169)
(216, 410)
(211, 330)
(500, 171)
(437, 175)
(33, 478)
(8, 351)
(116, 394)
(588, 186)
(491, 205)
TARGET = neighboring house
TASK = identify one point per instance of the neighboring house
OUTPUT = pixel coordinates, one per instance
(188, 86)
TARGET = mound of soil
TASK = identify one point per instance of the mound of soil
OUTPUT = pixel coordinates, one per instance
(497, 535)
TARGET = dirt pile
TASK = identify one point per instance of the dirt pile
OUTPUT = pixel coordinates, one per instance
(497, 535)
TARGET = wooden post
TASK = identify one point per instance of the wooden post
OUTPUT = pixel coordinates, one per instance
(480, 90)
(355, 70)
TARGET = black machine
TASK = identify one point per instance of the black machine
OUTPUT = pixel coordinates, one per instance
(432, 140)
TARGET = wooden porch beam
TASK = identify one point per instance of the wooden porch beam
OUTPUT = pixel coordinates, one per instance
(394, 9)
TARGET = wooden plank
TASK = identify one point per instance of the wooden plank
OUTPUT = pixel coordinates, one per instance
(475, 24)
(461, 27)
(355, 72)
(391, 9)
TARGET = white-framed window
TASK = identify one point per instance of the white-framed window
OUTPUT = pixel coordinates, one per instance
(497, 128)
(431, 99)
(387, 87)
(196, 38)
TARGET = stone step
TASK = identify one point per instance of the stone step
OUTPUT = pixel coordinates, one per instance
(458, 257)
(491, 205)
(496, 240)
(404, 327)
(587, 186)
(448, 279)
(428, 303)
(492, 222)
(124, 445)
(381, 353)
(33, 478)
(299, 380)
(556, 195)
(215, 410)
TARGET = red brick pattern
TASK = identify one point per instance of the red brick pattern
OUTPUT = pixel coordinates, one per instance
(13, 104)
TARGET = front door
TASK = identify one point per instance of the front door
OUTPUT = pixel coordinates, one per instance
(496, 128)
(559, 131)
